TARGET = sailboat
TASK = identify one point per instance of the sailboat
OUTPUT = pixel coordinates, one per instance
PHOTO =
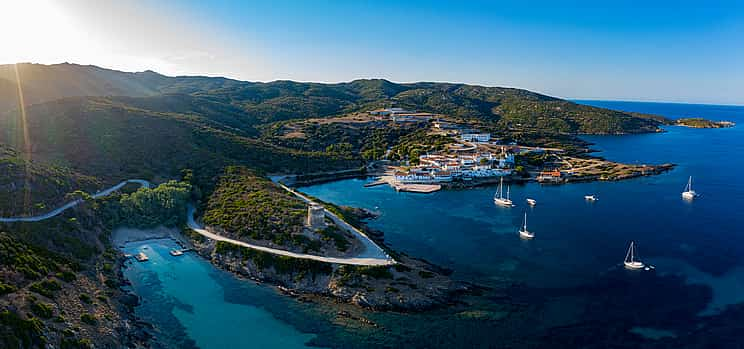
(630, 261)
(531, 202)
(499, 198)
(523, 232)
(689, 194)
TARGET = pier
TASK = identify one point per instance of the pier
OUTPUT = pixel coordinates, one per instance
(377, 182)
(417, 188)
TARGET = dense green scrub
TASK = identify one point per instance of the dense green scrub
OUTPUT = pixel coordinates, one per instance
(149, 207)
(250, 206)
(28, 188)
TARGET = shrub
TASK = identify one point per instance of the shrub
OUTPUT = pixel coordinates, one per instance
(46, 288)
(89, 319)
(42, 310)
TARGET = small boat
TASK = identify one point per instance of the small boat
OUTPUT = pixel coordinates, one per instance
(531, 202)
(590, 198)
(499, 198)
(630, 261)
(689, 194)
(523, 232)
(141, 257)
(176, 253)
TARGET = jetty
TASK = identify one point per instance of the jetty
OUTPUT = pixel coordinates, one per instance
(378, 181)
(417, 188)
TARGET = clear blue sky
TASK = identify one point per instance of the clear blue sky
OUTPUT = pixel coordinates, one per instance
(669, 51)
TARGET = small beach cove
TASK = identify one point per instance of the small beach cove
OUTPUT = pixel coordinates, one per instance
(192, 304)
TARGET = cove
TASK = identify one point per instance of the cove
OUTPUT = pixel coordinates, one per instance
(193, 305)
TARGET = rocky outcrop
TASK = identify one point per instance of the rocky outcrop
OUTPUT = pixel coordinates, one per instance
(412, 285)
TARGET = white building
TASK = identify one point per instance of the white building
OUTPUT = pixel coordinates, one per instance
(476, 137)
(410, 117)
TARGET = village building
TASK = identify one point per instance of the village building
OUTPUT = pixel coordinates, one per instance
(388, 111)
(479, 137)
(411, 117)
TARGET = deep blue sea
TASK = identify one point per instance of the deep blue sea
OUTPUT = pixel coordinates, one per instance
(565, 288)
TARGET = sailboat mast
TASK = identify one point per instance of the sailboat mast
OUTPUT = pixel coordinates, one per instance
(630, 253)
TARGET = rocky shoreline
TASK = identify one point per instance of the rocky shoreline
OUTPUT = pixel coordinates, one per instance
(703, 123)
(413, 285)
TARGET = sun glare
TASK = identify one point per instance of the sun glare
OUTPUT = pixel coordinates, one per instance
(37, 31)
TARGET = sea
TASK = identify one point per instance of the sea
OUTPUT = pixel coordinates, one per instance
(565, 288)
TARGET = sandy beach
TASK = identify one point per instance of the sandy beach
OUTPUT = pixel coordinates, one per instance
(123, 235)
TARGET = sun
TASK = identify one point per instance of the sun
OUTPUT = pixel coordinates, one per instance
(36, 31)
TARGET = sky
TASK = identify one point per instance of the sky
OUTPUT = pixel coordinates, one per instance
(675, 51)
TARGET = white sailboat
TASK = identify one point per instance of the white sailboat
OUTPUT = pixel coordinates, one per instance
(689, 194)
(499, 198)
(590, 198)
(630, 261)
(523, 232)
(531, 202)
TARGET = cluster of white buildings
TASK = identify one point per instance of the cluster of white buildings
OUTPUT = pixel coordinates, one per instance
(445, 168)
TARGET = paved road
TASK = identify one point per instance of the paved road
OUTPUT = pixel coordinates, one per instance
(74, 203)
(361, 260)
(371, 250)
(371, 256)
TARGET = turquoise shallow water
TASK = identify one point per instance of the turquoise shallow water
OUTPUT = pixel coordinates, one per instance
(565, 288)
(194, 305)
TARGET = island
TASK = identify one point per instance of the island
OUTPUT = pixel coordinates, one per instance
(105, 150)
(703, 123)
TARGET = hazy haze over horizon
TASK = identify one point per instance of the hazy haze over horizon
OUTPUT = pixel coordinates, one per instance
(670, 51)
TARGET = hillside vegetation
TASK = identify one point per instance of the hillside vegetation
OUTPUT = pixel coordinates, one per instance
(249, 206)
(252, 103)
(28, 188)
(106, 138)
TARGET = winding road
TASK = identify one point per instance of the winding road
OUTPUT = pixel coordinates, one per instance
(74, 203)
(359, 260)
(372, 255)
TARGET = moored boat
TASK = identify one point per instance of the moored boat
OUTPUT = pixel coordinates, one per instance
(499, 198)
(590, 198)
(141, 257)
(523, 232)
(531, 202)
(630, 258)
(689, 194)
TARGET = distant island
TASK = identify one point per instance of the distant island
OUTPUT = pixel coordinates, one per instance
(703, 123)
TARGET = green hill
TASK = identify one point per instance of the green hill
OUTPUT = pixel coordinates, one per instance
(252, 103)
(109, 139)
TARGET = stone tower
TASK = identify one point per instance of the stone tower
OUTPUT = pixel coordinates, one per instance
(315, 216)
